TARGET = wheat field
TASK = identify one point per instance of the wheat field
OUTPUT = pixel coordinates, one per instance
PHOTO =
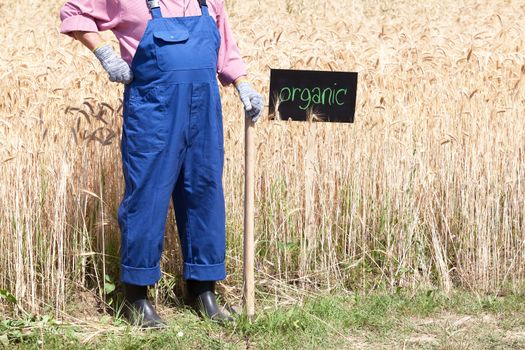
(425, 190)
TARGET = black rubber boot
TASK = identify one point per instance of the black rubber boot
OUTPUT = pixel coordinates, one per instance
(138, 310)
(202, 294)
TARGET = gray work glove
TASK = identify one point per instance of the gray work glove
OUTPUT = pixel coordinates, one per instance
(251, 99)
(116, 67)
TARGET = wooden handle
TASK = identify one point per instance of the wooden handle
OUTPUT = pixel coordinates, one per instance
(249, 242)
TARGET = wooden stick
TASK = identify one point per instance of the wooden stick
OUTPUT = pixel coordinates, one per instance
(249, 242)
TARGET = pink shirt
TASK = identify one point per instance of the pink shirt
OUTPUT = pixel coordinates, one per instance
(127, 19)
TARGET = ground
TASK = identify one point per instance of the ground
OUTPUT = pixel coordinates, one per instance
(425, 320)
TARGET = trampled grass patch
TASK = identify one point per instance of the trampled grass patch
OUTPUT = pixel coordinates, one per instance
(378, 320)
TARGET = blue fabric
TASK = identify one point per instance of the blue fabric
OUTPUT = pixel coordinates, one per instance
(172, 149)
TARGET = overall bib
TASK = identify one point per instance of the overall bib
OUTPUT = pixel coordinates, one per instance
(172, 148)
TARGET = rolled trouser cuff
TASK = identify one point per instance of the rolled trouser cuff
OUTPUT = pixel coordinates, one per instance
(197, 272)
(139, 276)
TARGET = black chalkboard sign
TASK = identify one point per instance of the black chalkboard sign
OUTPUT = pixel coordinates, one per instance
(331, 96)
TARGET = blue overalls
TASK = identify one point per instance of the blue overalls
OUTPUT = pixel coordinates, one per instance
(172, 147)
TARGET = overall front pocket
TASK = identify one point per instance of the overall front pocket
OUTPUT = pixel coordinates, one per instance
(178, 50)
(145, 121)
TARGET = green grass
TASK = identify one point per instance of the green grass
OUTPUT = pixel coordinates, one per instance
(378, 320)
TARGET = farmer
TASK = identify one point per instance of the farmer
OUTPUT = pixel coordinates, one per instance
(172, 140)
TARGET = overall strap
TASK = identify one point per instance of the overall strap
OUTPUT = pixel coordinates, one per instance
(154, 8)
(204, 7)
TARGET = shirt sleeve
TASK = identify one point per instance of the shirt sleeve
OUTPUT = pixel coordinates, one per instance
(90, 15)
(230, 64)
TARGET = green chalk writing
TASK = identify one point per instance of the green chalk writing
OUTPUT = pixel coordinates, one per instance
(307, 97)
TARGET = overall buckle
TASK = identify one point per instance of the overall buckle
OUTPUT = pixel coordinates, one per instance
(153, 4)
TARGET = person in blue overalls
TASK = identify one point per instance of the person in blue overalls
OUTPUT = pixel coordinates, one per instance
(172, 136)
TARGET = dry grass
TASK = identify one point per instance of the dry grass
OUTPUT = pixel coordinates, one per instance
(425, 189)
